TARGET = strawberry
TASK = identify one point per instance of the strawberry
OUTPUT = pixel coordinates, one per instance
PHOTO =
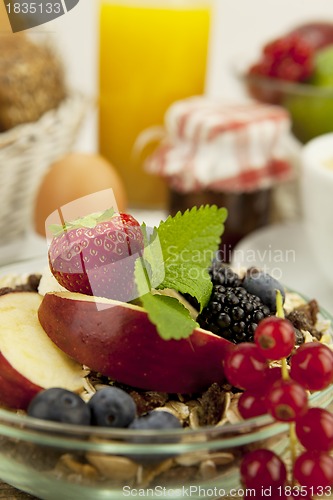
(95, 255)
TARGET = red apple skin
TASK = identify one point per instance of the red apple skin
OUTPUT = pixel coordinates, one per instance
(16, 391)
(119, 341)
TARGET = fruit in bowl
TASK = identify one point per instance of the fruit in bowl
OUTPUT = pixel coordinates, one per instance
(296, 71)
(165, 373)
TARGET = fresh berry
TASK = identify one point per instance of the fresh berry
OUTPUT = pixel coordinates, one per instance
(95, 255)
(233, 313)
(252, 404)
(312, 366)
(286, 400)
(271, 376)
(155, 420)
(112, 407)
(60, 405)
(315, 429)
(289, 57)
(314, 469)
(245, 366)
(275, 337)
(262, 469)
(264, 286)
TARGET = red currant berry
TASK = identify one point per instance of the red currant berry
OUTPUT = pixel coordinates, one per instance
(286, 400)
(275, 337)
(271, 376)
(315, 429)
(252, 404)
(314, 469)
(245, 366)
(312, 366)
(262, 469)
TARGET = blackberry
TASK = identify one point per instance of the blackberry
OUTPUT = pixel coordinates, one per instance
(233, 313)
(222, 274)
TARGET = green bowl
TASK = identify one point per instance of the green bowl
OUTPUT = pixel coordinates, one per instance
(310, 107)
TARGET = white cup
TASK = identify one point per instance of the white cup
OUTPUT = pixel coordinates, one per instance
(317, 200)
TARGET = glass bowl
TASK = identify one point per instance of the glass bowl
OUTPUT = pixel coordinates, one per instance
(52, 460)
(310, 107)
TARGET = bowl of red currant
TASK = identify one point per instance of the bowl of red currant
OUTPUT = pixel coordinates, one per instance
(295, 71)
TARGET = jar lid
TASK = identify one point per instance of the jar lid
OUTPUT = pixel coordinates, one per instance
(223, 147)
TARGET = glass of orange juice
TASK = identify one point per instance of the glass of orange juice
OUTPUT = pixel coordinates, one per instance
(152, 52)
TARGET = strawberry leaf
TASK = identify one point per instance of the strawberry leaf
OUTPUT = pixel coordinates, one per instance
(89, 221)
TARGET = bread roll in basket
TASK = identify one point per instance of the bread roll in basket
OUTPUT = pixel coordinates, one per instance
(39, 121)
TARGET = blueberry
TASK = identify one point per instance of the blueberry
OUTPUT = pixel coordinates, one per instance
(263, 286)
(59, 405)
(112, 407)
(154, 421)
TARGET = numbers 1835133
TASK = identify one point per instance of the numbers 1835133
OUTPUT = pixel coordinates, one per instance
(34, 8)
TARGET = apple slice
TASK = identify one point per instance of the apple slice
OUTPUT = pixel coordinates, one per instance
(29, 360)
(118, 340)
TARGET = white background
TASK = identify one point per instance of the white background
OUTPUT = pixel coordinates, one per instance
(240, 28)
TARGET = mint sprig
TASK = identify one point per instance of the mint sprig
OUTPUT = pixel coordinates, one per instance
(171, 318)
(177, 255)
(189, 242)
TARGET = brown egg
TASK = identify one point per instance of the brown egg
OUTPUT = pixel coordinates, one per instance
(74, 176)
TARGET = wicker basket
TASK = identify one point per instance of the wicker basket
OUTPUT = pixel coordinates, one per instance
(26, 152)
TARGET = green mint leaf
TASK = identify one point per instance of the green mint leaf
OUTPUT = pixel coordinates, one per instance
(178, 255)
(171, 318)
(142, 278)
(153, 256)
(189, 242)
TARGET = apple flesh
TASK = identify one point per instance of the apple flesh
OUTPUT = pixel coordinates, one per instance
(118, 340)
(29, 360)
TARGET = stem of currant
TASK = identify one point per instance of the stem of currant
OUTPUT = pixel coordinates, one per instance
(280, 314)
(285, 376)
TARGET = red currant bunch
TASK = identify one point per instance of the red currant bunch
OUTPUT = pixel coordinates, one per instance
(287, 58)
(283, 393)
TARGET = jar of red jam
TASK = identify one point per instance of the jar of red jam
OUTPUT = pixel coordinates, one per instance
(231, 155)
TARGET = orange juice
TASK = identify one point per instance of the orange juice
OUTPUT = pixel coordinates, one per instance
(151, 54)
